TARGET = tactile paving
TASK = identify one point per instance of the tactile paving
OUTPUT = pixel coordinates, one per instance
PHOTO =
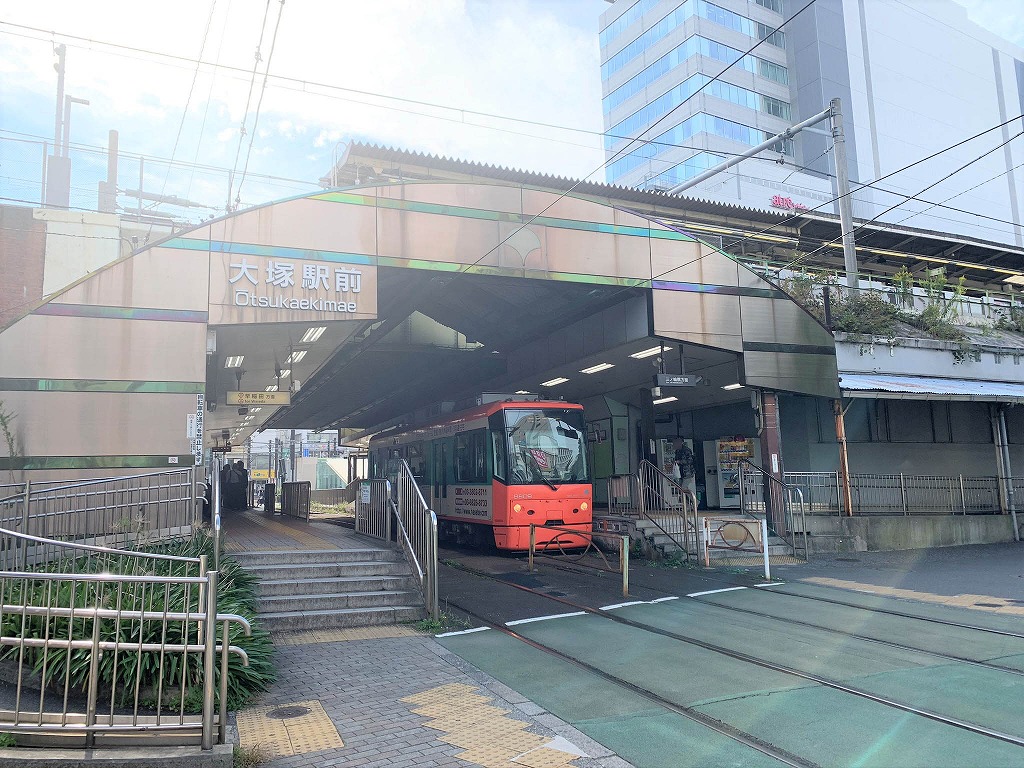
(313, 636)
(277, 737)
(488, 736)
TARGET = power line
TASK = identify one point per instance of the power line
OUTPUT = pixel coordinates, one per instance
(627, 147)
(257, 57)
(897, 205)
(259, 102)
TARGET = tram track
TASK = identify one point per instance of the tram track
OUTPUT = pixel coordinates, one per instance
(747, 658)
(742, 737)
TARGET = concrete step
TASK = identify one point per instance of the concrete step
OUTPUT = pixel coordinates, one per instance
(285, 587)
(304, 556)
(282, 621)
(285, 571)
(336, 601)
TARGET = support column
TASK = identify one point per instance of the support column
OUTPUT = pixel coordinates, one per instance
(647, 430)
(1007, 503)
(844, 458)
(770, 433)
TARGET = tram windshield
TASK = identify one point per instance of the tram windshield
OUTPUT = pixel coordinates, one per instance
(546, 445)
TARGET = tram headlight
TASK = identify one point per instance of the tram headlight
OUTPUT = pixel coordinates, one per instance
(517, 507)
(584, 506)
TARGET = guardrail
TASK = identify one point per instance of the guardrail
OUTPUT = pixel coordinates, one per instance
(657, 497)
(735, 535)
(295, 500)
(115, 512)
(899, 494)
(577, 555)
(96, 626)
(781, 503)
(394, 509)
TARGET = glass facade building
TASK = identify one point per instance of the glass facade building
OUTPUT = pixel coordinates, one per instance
(665, 116)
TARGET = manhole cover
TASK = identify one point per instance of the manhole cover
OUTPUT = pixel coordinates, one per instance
(285, 713)
(990, 605)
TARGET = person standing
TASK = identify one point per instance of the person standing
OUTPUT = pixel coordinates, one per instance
(682, 464)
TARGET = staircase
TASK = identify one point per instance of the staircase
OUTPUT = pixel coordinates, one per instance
(333, 588)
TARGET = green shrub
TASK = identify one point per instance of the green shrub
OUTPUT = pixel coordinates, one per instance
(866, 312)
(129, 671)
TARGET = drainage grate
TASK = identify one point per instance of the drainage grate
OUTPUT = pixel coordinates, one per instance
(286, 713)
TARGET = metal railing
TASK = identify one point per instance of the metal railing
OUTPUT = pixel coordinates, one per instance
(115, 512)
(564, 546)
(79, 635)
(295, 500)
(394, 509)
(736, 534)
(898, 494)
(657, 497)
(781, 503)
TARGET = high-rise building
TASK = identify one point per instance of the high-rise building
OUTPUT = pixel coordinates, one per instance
(914, 77)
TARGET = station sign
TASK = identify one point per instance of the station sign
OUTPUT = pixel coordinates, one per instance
(221, 448)
(259, 398)
(676, 380)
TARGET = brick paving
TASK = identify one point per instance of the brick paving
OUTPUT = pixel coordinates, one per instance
(361, 684)
(360, 677)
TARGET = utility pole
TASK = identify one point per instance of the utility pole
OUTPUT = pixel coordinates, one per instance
(843, 193)
(844, 458)
(58, 167)
(58, 136)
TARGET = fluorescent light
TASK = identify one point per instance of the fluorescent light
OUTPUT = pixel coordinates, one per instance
(523, 392)
(647, 352)
(733, 386)
(598, 367)
(233, 362)
(272, 388)
(295, 357)
(553, 382)
(286, 373)
(253, 410)
(669, 399)
(313, 334)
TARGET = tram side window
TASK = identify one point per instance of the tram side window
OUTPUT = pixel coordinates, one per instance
(499, 445)
(417, 461)
(470, 458)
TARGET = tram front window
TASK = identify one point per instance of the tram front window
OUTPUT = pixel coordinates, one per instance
(546, 446)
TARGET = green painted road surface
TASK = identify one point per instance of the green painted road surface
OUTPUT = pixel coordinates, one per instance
(822, 725)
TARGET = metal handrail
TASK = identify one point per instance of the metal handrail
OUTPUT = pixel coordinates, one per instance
(643, 490)
(59, 484)
(401, 503)
(777, 505)
(413, 512)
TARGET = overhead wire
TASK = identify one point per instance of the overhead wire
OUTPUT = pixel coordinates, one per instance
(257, 57)
(903, 202)
(630, 144)
(259, 102)
(209, 98)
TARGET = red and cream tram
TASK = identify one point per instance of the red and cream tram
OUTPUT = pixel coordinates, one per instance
(489, 472)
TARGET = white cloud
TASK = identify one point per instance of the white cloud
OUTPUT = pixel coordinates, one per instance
(532, 59)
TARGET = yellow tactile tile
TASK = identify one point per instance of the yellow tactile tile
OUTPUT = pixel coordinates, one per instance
(313, 636)
(488, 736)
(307, 539)
(999, 605)
(276, 737)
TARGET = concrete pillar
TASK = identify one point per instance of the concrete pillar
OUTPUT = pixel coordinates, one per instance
(647, 428)
(770, 432)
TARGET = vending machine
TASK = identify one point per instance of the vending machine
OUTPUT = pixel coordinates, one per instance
(730, 450)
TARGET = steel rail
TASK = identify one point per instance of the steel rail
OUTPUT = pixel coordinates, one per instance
(855, 636)
(740, 656)
(744, 738)
(990, 630)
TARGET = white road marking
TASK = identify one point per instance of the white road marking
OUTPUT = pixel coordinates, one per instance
(544, 618)
(464, 632)
(714, 591)
(771, 584)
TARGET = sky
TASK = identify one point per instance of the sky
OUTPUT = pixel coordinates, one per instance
(443, 77)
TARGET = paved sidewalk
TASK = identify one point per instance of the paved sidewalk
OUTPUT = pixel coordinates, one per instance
(389, 696)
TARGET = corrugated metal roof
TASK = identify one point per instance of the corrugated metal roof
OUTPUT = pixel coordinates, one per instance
(928, 388)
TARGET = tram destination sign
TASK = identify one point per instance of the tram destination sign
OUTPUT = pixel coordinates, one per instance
(259, 398)
(676, 380)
